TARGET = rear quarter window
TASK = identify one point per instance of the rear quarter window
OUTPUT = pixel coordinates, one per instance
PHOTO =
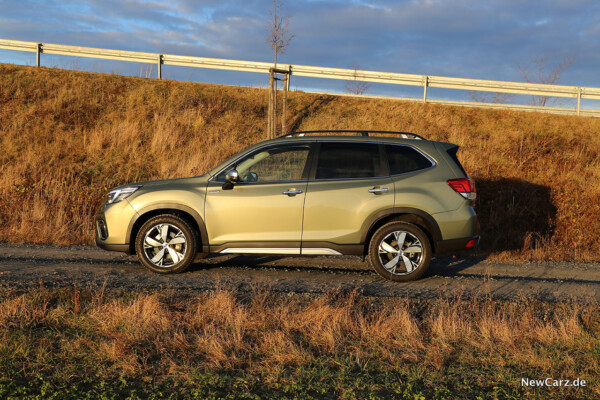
(403, 159)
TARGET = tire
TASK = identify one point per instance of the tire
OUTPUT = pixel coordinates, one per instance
(177, 254)
(395, 265)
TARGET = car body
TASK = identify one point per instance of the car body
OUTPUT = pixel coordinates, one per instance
(300, 194)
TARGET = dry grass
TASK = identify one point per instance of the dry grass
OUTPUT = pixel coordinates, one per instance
(471, 347)
(68, 137)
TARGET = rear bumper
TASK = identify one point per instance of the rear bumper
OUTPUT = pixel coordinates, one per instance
(452, 245)
(458, 227)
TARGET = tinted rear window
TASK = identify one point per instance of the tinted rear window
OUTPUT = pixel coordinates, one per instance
(404, 159)
(348, 160)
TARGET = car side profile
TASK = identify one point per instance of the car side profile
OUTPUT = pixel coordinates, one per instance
(392, 197)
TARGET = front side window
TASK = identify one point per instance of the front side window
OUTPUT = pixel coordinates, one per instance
(278, 163)
(404, 159)
(338, 160)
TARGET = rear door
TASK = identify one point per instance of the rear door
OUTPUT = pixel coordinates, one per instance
(349, 183)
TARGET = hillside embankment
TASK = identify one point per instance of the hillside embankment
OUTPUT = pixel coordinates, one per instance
(67, 137)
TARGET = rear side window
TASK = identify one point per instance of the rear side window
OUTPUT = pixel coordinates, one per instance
(348, 160)
(404, 159)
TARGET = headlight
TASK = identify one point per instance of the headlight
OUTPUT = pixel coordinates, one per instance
(116, 195)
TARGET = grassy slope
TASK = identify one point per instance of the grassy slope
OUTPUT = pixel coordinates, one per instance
(67, 137)
(81, 344)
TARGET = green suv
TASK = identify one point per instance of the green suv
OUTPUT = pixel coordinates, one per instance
(393, 197)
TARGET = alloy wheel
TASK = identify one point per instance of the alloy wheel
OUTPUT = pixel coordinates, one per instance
(165, 245)
(400, 252)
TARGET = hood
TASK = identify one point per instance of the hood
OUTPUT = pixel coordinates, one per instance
(159, 182)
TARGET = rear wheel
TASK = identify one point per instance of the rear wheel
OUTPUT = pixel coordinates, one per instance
(166, 244)
(400, 251)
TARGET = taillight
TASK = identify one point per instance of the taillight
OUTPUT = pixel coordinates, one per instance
(471, 243)
(465, 187)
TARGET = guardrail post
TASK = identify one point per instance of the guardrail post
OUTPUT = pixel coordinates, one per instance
(288, 76)
(578, 100)
(37, 54)
(160, 61)
(425, 84)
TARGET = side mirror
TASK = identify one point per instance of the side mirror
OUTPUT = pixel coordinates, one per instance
(232, 176)
(230, 179)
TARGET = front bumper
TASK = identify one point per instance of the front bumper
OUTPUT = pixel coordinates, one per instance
(113, 247)
(111, 226)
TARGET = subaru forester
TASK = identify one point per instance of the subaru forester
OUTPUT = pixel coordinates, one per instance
(392, 197)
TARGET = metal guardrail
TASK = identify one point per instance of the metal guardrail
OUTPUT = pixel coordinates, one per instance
(426, 81)
(516, 107)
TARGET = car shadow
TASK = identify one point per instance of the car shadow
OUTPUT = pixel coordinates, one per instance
(277, 263)
(442, 265)
(438, 266)
(513, 214)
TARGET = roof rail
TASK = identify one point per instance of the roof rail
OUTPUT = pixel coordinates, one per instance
(404, 135)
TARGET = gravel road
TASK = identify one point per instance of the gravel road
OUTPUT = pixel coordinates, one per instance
(29, 266)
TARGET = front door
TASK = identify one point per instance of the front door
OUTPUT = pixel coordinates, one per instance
(263, 212)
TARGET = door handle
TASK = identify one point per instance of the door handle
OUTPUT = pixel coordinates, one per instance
(378, 190)
(292, 192)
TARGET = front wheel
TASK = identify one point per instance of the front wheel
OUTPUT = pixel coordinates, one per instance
(400, 251)
(166, 244)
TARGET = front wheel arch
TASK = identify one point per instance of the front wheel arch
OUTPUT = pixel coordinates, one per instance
(166, 237)
(147, 214)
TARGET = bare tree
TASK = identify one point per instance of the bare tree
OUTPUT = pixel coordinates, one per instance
(279, 37)
(494, 97)
(355, 86)
(539, 71)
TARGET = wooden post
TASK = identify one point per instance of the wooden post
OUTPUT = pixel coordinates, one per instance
(286, 80)
(272, 121)
(425, 84)
(160, 66)
(274, 132)
(37, 54)
(270, 111)
(578, 100)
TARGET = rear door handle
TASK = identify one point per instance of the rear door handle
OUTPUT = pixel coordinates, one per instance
(378, 190)
(292, 192)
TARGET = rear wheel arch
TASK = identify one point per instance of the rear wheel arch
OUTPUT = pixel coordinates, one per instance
(184, 212)
(413, 216)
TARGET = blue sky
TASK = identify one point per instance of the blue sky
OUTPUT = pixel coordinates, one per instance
(463, 38)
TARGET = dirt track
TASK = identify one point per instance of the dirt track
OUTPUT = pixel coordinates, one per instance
(26, 266)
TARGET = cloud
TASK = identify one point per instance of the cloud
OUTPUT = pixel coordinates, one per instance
(454, 38)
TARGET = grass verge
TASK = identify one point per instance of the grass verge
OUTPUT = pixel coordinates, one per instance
(67, 137)
(74, 343)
